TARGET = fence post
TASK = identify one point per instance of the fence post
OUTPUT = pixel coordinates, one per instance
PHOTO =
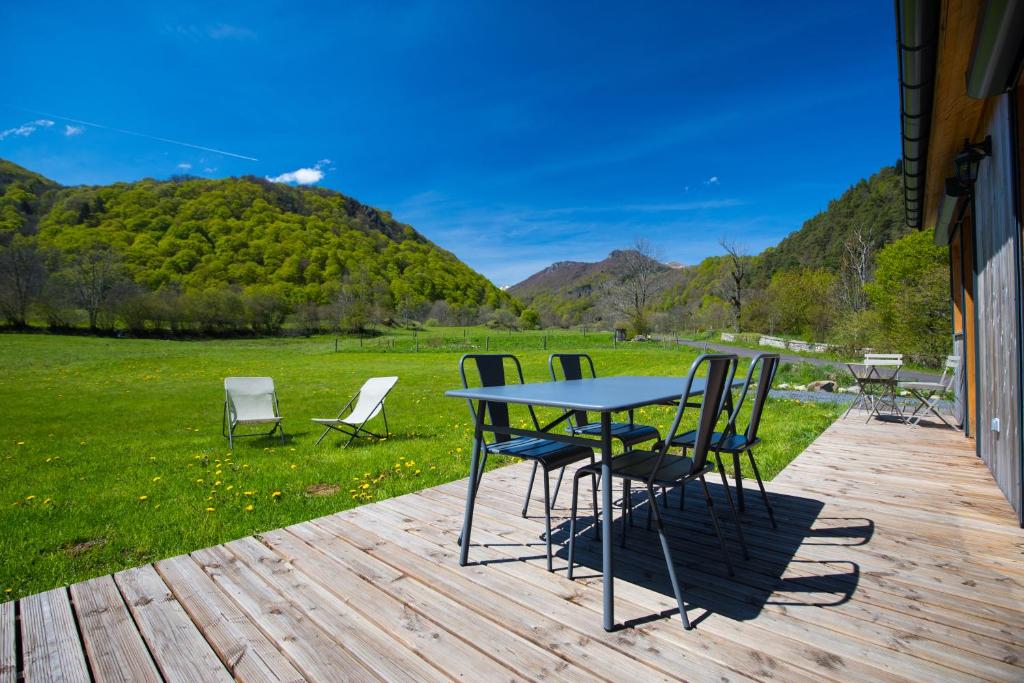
(335, 344)
(487, 343)
(360, 341)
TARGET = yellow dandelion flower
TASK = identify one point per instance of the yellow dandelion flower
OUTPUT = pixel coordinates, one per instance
(249, 508)
(275, 494)
(458, 450)
(416, 472)
(199, 481)
(156, 478)
(143, 497)
(217, 483)
(211, 509)
(29, 497)
(294, 466)
(249, 493)
(365, 486)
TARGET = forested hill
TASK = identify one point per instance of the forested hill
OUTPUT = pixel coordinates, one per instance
(237, 237)
(815, 283)
(873, 209)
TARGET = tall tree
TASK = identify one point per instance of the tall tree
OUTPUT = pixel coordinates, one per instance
(638, 283)
(93, 274)
(22, 278)
(855, 271)
(737, 277)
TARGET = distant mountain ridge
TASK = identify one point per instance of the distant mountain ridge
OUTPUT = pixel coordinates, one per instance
(571, 292)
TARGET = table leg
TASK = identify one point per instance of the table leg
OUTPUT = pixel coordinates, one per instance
(607, 511)
(474, 480)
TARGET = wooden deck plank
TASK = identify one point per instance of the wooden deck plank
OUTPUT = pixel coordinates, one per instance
(178, 648)
(312, 651)
(896, 558)
(348, 627)
(418, 632)
(245, 651)
(872, 609)
(8, 644)
(115, 650)
(51, 649)
(854, 657)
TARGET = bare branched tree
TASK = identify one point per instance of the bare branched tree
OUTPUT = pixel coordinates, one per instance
(22, 279)
(93, 275)
(638, 284)
(858, 255)
(737, 276)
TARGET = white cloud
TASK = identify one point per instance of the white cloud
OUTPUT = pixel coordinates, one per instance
(26, 129)
(184, 166)
(71, 131)
(713, 180)
(302, 176)
(211, 31)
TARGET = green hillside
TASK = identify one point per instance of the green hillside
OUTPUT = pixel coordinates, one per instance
(165, 249)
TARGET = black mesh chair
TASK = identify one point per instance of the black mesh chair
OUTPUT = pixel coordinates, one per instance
(652, 468)
(761, 375)
(628, 433)
(546, 454)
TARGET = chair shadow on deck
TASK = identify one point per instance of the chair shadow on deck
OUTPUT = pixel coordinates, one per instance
(772, 576)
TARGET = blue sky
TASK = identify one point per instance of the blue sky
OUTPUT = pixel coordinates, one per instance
(512, 133)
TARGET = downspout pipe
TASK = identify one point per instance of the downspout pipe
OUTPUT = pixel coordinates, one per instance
(916, 49)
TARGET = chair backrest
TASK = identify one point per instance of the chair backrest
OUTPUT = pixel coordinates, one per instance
(949, 369)
(883, 359)
(491, 370)
(572, 368)
(720, 370)
(761, 374)
(250, 397)
(371, 397)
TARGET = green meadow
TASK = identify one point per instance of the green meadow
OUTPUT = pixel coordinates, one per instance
(113, 456)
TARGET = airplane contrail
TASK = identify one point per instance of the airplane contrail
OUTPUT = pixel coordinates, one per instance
(141, 135)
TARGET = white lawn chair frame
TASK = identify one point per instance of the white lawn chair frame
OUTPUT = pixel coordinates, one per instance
(369, 402)
(250, 401)
(878, 371)
(929, 394)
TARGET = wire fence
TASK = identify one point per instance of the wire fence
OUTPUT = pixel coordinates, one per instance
(497, 342)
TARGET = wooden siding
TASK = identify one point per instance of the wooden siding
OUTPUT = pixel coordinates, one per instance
(896, 558)
(997, 299)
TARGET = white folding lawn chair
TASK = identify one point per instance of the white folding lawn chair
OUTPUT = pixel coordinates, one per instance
(250, 401)
(929, 394)
(369, 402)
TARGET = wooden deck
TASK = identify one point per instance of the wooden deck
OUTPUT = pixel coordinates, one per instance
(896, 558)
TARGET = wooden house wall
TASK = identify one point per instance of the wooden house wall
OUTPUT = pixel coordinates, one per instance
(997, 298)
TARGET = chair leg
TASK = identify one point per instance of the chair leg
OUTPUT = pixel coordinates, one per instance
(547, 515)
(764, 494)
(593, 496)
(558, 485)
(732, 510)
(572, 524)
(718, 529)
(737, 476)
(652, 504)
(529, 487)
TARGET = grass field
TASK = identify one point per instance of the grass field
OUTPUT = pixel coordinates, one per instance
(112, 452)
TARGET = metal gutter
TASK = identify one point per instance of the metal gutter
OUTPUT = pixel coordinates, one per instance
(916, 50)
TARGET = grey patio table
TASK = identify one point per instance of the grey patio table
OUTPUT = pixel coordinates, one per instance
(604, 395)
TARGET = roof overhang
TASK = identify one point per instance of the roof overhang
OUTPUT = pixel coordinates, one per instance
(942, 48)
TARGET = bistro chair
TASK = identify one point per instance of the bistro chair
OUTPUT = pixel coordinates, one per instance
(651, 468)
(928, 394)
(628, 433)
(546, 454)
(760, 375)
(369, 403)
(250, 401)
